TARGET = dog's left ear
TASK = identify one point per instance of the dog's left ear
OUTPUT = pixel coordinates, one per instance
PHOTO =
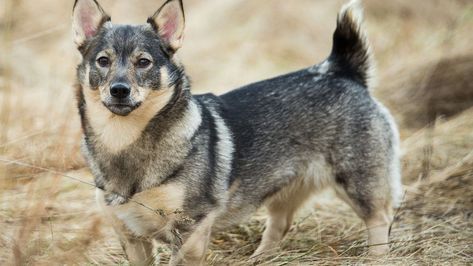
(169, 22)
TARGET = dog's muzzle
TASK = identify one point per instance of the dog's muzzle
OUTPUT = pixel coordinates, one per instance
(120, 102)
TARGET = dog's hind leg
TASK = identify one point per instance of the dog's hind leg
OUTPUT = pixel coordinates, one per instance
(378, 231)
(281, 209)
(370, 198)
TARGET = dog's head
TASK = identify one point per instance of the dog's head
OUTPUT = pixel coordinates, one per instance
(126, 65)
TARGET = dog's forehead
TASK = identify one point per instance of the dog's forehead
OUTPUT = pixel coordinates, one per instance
(128, 38)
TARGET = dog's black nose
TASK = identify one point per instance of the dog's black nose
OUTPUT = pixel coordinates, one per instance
(120, 90)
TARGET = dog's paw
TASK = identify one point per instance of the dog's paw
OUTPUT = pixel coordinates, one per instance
(113, 199)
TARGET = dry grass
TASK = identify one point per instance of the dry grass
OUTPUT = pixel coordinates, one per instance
(424, 54)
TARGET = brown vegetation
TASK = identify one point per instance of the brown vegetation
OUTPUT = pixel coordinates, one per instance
(439, 88)
(425, 66)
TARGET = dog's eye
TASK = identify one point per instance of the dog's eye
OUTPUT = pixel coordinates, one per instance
(103, 61)
(143, 63)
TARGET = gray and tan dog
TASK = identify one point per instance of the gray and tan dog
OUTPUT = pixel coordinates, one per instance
(172, 167)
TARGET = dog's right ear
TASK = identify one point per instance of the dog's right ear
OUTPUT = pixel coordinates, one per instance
(87, 19)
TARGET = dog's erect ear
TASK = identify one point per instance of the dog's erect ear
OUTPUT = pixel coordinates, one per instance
(87, 19)
(169, 22)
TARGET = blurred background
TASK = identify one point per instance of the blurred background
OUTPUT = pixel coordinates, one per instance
(424, 55)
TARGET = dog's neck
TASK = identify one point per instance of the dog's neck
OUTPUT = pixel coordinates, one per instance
(164, 141)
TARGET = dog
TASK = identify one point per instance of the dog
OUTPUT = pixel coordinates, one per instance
(173, 167)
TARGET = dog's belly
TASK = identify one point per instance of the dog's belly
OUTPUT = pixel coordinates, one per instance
(148, 214)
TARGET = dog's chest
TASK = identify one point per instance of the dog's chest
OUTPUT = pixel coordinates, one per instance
(138, 168)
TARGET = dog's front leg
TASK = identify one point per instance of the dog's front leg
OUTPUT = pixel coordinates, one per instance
(195, 246)
(138, 252)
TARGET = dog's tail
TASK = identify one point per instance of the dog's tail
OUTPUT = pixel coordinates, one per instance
(351, 52)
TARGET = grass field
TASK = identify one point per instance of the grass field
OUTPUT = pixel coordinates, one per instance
(424, 54)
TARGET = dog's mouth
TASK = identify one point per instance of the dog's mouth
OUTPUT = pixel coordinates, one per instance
(121, 109)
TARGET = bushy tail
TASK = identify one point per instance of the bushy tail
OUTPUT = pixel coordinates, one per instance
(351, 52)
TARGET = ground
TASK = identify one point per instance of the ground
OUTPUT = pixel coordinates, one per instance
(424, 55)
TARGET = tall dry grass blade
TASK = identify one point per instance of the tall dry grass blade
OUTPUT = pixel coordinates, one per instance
(5, 67)
(41, 34)
(159, 212)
